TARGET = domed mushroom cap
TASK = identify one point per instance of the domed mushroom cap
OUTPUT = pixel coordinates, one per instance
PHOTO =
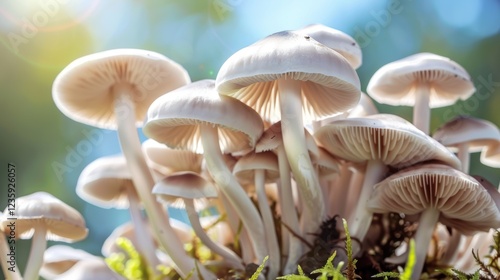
(106, 182)
(245, 167)
(396, 83)
(491, 155)
(167, 160)
(95, 269)
(174, 119)
(63, 223)
(335, 40)
(477, 133)
(329, 83)
(58, 259)
(464, 204)
(185, 185)
(387, 138)
(86, 89)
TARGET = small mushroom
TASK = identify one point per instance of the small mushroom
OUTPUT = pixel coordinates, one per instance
(422, 80)
(190, 191)
(196, 118)
(58, 259)
(42, 217)
(438, 193)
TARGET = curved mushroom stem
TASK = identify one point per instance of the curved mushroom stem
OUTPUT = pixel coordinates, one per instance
(421, 110)
(35, 259)
(292, 127)
(463, 156)
(144, 239)
(143, 182)
(362, 218)
(11, 272)
(233, 191)
(288, 213)
(267, 218)
(229, 256)
(428, 219)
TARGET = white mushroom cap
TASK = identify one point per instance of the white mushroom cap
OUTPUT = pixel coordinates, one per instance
(178, 186)
(329, 84)
(58, 259)
(91, 269)
(335, 40)
(167, 160)
(63, 223)
(106, 182)
(174, 119)
(387, 138)
(464, 203)
(86, 89)
(477, 133)
(245, 167)
(395, 83)
(491, 155)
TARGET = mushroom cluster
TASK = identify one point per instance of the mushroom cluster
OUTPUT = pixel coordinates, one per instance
(265, 160)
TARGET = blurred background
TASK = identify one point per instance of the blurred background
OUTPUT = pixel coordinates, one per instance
(40, 37)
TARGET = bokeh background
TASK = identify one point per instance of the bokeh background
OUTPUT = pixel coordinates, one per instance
(40, 37)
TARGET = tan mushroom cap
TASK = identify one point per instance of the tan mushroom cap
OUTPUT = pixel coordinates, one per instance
(384, 137)
(174, 119)
(326, 163)
(106, 182)
(491, 155)
(245, 167)
(464, 204)
(178, 186)
(477, 133)
(63, 222)
(335, 40)
(396, 83)
(58, 259)
(85, 90)
(167, 160)
(329, 83)
(272, 138)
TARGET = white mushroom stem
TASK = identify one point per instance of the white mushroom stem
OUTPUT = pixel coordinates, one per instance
(463, 156)
(247, 253)
(233, 191)
(267, 218)
(362, 218)
(294, 141)
(35, 259)
(338, 192)
(355, 185)
(428, 219)
(10, 270)
(143, 182)
(229, 256)
(288, 214)
(421, 110)
(144, 239)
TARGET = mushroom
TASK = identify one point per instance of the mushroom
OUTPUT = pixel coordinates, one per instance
(335, 40)
(168, 161)
(422, 80)
(42, 217)
(380, 140)
(190, 191)
(438, 193)
(90, 269)
(467, 135)
(291, 77)
(491, 155)
(113, 90)
(259, 169)
(107, 183)
(196, 118)
(58, 259)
